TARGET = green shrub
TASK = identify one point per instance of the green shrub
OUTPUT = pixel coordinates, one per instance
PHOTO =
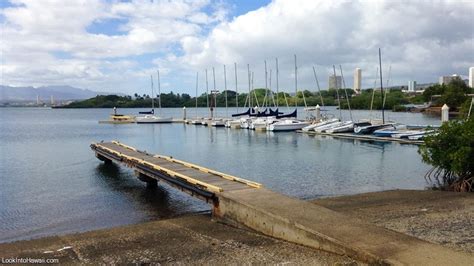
(451, 153)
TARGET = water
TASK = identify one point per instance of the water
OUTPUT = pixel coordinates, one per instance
(51, 182)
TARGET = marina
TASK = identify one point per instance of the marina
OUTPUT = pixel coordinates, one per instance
(299, 165)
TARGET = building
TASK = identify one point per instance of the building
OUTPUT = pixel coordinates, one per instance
(335, 82)
(446, 79)
(412, 86)
(357, 80)
(471, 77)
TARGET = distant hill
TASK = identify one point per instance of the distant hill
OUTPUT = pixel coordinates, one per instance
(12, 94)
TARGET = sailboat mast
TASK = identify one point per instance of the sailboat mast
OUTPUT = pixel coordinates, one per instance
(319, 88)
(250, 96)
(197, 82)
(266, 85)
(152, 102)
(381, 85)
(207, 94)
(214, 92)
(159, 90)
(276, 63)
(225, 87)
(296, 84)
(373, 91)
(337, 92)
(236, 94)
(345, 92)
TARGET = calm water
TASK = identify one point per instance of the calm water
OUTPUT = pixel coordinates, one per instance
(51, 182)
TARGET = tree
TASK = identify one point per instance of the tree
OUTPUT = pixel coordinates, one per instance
(451, 153)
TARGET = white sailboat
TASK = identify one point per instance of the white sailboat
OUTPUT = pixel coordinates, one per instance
(290, 124)
(347, 126)
(197, 120)
(322, 123)
(287, 125)
(151, 118)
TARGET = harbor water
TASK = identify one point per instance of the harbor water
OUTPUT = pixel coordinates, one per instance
(51, 182)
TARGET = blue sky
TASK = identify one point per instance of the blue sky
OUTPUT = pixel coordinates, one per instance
(116, 45)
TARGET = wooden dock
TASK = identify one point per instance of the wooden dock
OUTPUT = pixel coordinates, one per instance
(195, 180)
(363, 137)
(244, 202)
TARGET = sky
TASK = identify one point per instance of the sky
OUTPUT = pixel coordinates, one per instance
(115, 46)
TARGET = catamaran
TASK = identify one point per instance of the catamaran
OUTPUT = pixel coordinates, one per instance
(151, 118)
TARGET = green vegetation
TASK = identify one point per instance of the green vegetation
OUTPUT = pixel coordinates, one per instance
(179, 100)
(452, 94)
(451, 153)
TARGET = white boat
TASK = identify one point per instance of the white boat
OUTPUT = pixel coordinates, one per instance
(235, 123)
(421, 135)
(323, 128)
(370, 129)
(408, 133)
(218, 123)
(322, 123)
(151, 118)
(197, 121)
(245, 123)
(347, 126)
(287, 125)
(262, 123)
(390, 130)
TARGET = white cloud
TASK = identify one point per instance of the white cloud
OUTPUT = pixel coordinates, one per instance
(420, 40)
(33, 31)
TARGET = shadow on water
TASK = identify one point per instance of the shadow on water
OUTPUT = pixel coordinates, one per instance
(156, 201)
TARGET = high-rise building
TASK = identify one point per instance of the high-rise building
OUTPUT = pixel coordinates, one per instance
(411, 86)
(471, 77)
(357, 80)
(447, 79)
(335, 82)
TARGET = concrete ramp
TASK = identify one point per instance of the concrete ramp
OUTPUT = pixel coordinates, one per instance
(238, 200)
(311, 225)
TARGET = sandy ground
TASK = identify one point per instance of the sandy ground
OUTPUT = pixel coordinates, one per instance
(185, 240)
(446, 218)
(440, 217)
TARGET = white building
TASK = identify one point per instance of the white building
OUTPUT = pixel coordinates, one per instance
(446, 79)
(471, 77)
(335, 82)
(357, 80)
(411, 86)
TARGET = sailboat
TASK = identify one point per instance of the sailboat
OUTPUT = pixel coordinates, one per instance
(196, 120)
(218, 122)
(235, 123)
(151, 118)
(289, 124)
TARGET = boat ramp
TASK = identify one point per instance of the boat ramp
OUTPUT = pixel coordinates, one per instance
(245, 203)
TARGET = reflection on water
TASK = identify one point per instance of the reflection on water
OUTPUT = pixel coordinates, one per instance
(53, 184)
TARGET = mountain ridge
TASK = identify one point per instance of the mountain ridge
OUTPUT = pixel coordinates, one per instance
(59, 92)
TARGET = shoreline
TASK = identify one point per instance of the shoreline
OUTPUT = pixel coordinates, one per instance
(428, 215)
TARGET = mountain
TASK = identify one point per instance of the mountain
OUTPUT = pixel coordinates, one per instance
(12, 94)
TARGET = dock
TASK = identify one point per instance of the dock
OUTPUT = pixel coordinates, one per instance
(245, 203)
(362, 137)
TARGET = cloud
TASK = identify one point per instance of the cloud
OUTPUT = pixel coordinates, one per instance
(420, 40)
(36, 32)
(115, 46)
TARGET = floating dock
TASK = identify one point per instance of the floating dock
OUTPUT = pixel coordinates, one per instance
(248, 203)
(363, 137)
